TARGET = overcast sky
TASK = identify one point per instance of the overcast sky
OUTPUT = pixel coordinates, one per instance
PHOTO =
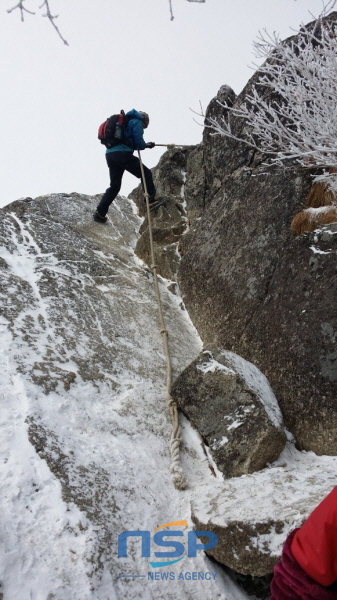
(122, 54)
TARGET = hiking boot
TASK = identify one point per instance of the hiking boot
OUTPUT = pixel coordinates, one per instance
(98, 218)
(156, 203)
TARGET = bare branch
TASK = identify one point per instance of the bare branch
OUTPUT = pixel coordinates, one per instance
(52, 20)
(22, 9)
(171, 10)
(47, 14)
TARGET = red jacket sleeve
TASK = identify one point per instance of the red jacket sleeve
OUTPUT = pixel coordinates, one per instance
(291, 582)
(314, 545)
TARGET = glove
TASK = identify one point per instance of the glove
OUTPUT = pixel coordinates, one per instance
(150, 145)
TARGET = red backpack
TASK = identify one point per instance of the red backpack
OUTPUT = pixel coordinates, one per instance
(112, 131)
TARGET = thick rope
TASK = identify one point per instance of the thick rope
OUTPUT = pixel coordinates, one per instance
(177, 474)
(170, 146)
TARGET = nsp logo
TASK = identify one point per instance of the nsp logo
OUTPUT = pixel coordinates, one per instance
(193, 545)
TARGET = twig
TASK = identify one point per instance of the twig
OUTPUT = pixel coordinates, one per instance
(22, 9)
(171, 10)
(48, 14)
(52, 19)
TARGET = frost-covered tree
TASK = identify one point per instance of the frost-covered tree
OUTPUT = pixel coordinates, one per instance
(291, 110)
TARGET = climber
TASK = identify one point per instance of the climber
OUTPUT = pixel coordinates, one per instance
(120, 158)
(308, 566)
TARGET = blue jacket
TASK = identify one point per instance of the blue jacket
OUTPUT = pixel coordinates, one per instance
(134, 133)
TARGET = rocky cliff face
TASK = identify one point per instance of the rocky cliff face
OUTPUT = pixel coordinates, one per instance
(257, 293)
(169, 223)
(249, 284)
(254, 289)
(84, 423)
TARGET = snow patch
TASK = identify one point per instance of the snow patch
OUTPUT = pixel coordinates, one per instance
(318, 251)
(213, 365)
(234, 425)
(219, 443)
(258, 383)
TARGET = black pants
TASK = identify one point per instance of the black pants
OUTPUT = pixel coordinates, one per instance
(118, 162)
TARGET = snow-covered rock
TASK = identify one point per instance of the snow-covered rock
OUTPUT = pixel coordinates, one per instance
(84, 423)
(253, 514)
(85, 428)
(232, 406)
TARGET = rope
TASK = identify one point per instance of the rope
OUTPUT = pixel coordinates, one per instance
(170, 146)
(177, 474)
